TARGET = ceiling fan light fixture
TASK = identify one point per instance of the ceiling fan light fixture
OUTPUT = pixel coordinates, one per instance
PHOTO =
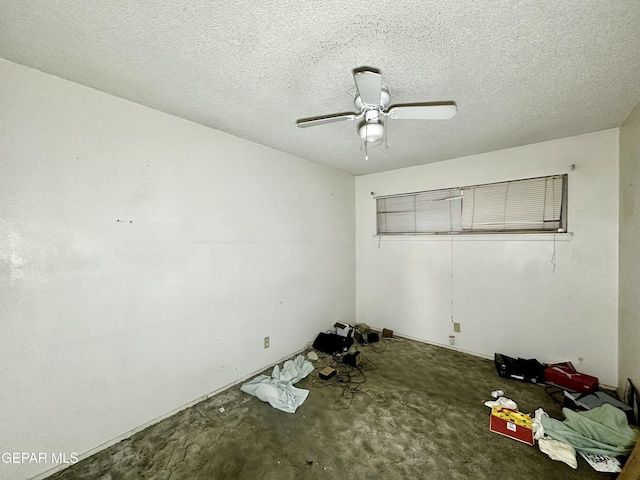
(371, 133)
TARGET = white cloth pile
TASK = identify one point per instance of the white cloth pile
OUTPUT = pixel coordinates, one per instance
(599, 435)
(278, 390)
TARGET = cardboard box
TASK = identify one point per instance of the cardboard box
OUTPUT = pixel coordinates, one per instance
(512, 424)
(326, 373)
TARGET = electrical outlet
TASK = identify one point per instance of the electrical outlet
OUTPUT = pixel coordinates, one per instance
(266, 342)
(456, 327)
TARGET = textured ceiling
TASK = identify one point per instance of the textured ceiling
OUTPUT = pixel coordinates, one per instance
(520, 71)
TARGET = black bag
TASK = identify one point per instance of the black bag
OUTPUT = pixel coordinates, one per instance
(525, 370)
(331, 343)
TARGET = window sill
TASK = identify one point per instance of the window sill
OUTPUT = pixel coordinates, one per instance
(418, 237)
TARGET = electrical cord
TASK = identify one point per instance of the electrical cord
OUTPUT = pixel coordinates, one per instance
(378, 347)
(350, 380)
(553, 392)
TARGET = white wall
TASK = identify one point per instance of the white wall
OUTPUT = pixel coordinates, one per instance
(143, 258)
(629, 322)
(506, 295)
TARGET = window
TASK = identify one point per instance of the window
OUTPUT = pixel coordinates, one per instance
(534, 205)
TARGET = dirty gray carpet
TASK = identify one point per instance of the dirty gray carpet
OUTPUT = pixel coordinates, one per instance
(415, 411)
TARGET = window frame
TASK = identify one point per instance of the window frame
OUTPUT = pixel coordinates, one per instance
(559, 209)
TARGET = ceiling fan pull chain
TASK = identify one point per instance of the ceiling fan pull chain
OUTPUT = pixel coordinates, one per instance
(384, 122)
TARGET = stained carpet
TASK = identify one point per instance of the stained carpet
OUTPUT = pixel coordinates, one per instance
(412, 411)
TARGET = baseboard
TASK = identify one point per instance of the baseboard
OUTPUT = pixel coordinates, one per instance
(475, 354)
(119, 438)
(443, 345)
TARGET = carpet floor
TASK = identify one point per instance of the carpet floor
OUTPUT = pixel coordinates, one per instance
(411, 411)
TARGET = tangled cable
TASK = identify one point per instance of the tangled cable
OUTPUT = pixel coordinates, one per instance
(350, 380)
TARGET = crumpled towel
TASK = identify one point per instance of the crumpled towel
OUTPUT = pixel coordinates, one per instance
(292, 370)
(558, 450)
(603, 430)
(538, 428)
(278, 390)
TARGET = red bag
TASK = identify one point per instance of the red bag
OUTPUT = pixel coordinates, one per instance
(564, 375)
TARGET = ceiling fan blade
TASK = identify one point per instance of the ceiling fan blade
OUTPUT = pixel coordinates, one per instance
(369, 86)
(339, 117)
(423, 111)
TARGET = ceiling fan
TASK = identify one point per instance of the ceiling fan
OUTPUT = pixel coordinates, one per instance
(372, 101)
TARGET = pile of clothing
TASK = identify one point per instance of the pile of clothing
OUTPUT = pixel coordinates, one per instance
(602, 432)
(599, 435)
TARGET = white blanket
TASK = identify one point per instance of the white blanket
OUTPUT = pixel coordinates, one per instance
(278, 389)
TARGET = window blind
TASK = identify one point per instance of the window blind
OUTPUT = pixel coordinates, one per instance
(528, 205)
(531, 204)
(437, 211)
